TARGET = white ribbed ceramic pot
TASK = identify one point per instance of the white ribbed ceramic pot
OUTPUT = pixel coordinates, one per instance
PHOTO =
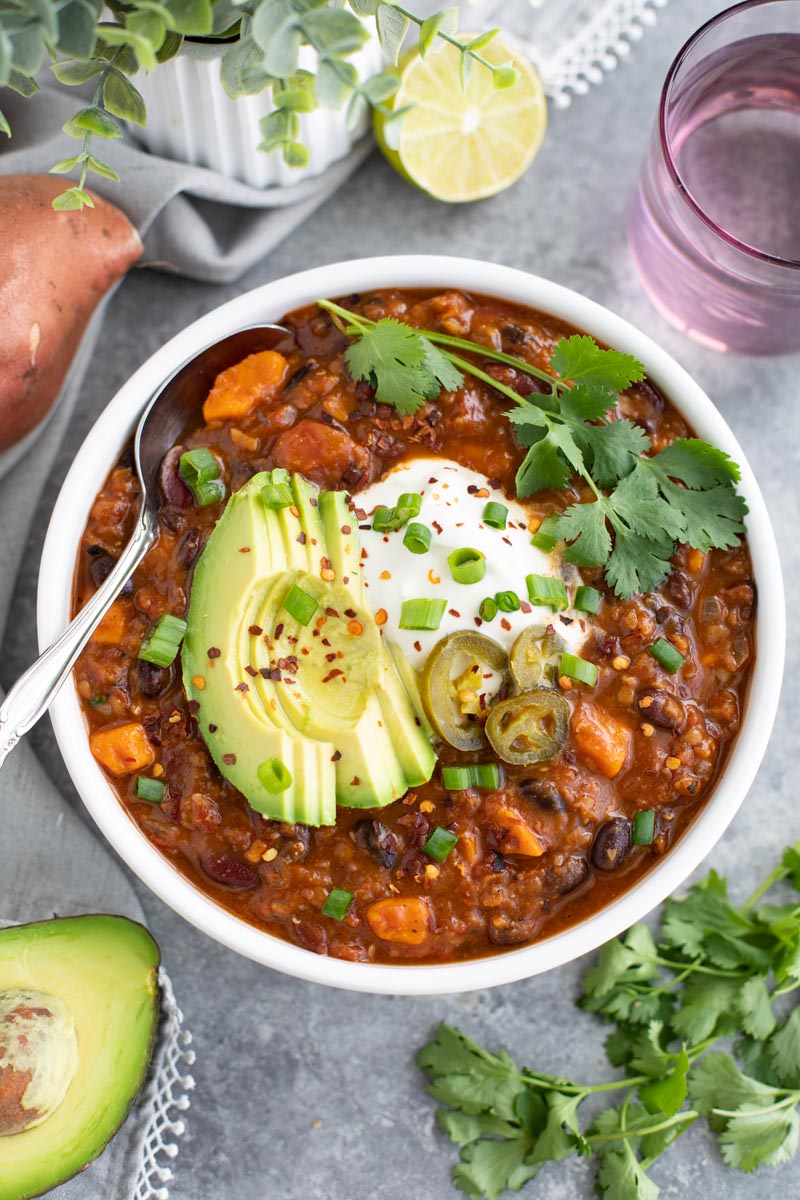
(191, 118)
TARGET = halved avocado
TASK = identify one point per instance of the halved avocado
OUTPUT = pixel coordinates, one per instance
(78, 1014)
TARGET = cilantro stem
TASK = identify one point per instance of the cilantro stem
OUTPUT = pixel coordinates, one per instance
(791, 1098)
(774, 877)
(445, 339)
(551, 1084)
(688, 1114)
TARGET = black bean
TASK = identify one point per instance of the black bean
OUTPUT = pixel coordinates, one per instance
(299, 374)
(679, 589)
(513, 334)
(379, 841)
(612, 844)
(508, 929)
(543, 793)
(151, 680)
(661, 708)
(100, 568)
(189, 549)
(570, 875)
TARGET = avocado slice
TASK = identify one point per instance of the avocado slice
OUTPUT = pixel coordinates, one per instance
(83, 993)
(319, 691)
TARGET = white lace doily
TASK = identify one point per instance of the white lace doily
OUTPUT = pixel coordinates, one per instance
(572, 43)
(166, 1098)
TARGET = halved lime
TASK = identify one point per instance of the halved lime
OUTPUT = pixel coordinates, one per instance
(459, 143)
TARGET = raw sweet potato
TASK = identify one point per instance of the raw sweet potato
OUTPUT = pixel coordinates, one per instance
(55, 267)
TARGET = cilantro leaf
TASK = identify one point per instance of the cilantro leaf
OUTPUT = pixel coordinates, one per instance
(637, 564)
(612, 449)
(581, 360)
(648, 1055)
(490, 1166)
(587, 402)
(668, 1094)
(463, 1128)
(467, 1077)
(757, 1018)
(755, 1139)
(697, 464)
(622, 1177)
(717, 1083)
(708, 1006)
(783, 1050)
(584, 526)
(403, 367)
(543, 468)
(791, 864)
(554, 1142)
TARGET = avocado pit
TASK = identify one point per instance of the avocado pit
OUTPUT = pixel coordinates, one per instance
(38, 1057)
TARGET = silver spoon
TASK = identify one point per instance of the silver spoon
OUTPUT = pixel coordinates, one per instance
(164, 419)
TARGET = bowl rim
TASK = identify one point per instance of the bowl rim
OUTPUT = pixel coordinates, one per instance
(269, 302)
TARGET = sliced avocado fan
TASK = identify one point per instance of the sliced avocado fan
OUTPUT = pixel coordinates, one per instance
(299, 698)
(78, 1013)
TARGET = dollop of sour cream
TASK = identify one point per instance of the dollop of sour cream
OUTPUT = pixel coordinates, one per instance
(453, 500)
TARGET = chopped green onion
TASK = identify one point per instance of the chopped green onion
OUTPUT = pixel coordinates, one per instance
(390, 520)
(273, 776)
(485, 775)
(456, 779)
(467, 565)
(209, 493)
(587, 599)
(578, 668)
(544, 591)
(278, 492)
(149, 789)
(488, 609)
(200, 471)
(664, 652)
(299, 604)
(507, 601)
(644, 827)
(163, 641)
(495, 515)
(439, 844)
(97, 700)
(422, 614)
(417, 538)
(337, 904)
(476, 775)
(545, 537)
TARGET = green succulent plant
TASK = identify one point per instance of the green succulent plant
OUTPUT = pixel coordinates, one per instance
(263, 39)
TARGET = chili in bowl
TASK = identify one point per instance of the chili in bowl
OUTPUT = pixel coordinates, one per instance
(444, 668)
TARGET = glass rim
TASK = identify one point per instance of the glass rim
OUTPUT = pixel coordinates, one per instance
(666, 150)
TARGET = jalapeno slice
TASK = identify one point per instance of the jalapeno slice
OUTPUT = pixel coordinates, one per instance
(454, 681)
(535, 656)
(529, 728)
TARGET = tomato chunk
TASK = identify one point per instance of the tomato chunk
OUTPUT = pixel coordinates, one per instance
(403, 919)
(256, 380)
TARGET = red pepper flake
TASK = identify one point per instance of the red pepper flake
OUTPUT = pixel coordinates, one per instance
(355, 781)
(313, 502)
(507, 541)
(337, 754)
(454, 612)
(361, 513)
(275, 675)
(364, 553)
(242, 687)
(525, 607)
(212, 729)
(326, 642)
(437, 526)
(194, 707)
(213, 652)
(229, 759)
(566, 620)
(301, 538)
(331, 657)
(477, 621)
(433, 479)
(347, 530)
(350, 612)
(345, 580)
(365, 527)
(505, 623)
(331, 612)
(292, 641)
(332, 674)
(315, 633)
(418, 646)
(244, 549)
(472, 489)
(255, 630)
(279, 630)
(251, 671)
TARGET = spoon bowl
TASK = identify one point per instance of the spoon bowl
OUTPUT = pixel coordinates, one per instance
(167, 414)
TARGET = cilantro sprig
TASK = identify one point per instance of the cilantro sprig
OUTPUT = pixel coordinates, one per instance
(717, 972)
(643, 504)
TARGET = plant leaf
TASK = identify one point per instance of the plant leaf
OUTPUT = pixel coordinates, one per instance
(122, 99)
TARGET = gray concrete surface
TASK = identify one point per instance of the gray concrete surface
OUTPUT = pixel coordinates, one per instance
(275, 1055)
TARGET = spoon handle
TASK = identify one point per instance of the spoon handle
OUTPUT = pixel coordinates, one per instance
(35, 690)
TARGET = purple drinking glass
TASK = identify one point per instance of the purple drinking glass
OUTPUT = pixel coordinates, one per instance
(715, 229)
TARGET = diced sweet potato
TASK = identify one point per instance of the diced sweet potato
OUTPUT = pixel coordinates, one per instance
(320, 452)
(122, 749)
(256, 380)
(111, 629)
(601, 739)
(403, 919)
(516, 836)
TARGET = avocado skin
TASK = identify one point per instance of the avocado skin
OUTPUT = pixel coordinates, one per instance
(105, 969)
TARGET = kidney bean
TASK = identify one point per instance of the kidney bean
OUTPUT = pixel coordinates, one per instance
(612, 844)
(310, 937)
(173, 489)
(379, 841)
(228, 871)
(543, 793)
(660, 708)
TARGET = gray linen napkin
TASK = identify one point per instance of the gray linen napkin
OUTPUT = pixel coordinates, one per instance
(199, 224)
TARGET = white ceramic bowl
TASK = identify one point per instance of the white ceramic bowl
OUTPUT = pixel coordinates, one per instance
(268, 303)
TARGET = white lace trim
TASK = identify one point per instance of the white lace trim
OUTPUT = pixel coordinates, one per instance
(168, 1099)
